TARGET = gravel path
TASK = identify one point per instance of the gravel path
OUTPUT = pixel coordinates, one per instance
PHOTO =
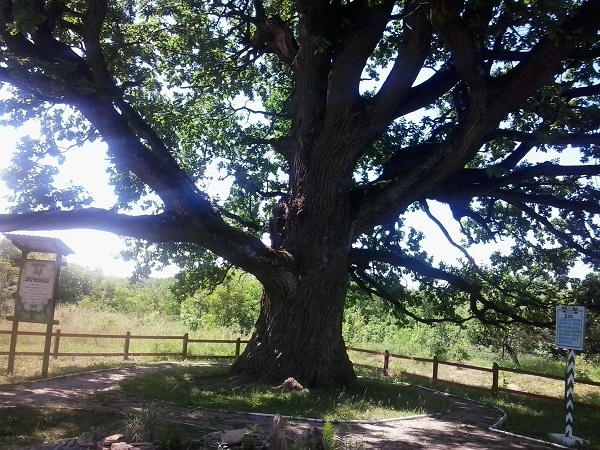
(465, 425)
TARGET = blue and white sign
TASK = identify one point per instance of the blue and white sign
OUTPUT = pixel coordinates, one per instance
(570, 327)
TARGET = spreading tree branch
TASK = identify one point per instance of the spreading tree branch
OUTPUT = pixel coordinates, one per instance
(412, 52)
(371, 286)
(564, 237)
(379, 203)
(480, 307)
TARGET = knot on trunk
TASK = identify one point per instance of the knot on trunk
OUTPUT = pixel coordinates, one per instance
(272, 35)
(277, 221)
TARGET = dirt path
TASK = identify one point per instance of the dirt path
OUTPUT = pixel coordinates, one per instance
(465, 425)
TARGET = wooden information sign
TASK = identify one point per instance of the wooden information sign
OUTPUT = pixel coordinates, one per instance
(35, 299)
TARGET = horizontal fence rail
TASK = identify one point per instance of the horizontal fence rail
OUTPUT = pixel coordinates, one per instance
(385, 355)
(495, 370)
(58, 335)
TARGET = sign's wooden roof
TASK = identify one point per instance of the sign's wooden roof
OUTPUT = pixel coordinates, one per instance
(39, 244)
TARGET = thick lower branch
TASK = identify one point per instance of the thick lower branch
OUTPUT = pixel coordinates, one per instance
(242, 249)
(156, 228)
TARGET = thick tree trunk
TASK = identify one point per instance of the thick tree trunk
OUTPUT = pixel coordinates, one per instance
(300, 334)
(299, 330)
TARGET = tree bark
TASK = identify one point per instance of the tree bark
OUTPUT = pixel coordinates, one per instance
(299, 330)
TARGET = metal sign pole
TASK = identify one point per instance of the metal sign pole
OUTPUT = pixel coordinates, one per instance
(570, 334)
(570, 394)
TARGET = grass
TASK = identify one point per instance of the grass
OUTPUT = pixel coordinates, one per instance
(531, 417)
(374, 399)
(21, 425)
(80, 320)
(481, 378)
(212, 388)
(25, 426)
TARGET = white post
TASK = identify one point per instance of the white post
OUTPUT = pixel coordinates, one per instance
(570, 393)
(568, 438)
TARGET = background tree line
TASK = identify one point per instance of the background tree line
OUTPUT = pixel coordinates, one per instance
(234, 304)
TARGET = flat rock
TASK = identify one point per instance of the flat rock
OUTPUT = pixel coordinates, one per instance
(233, 437)
(113, 438)
(121, 446)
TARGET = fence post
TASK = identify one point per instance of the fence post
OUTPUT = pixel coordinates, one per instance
(386, 363)
(238, 344)
(495, 371)
(13, 346)
(126, 350)
(47, 345)
(435, 368)
(56, 343)
(184, 350)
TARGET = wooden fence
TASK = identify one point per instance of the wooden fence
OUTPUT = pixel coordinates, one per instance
(127, 338)
(495, 371)
(386, 358)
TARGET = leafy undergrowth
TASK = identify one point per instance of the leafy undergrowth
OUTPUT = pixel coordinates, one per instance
(24, 425)
(213, 388)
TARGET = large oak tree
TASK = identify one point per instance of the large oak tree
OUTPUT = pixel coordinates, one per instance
(307, 107)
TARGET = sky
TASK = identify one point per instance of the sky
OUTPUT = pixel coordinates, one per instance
(85, 168)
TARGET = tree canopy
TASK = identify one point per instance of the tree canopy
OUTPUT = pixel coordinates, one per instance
(332, 120)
